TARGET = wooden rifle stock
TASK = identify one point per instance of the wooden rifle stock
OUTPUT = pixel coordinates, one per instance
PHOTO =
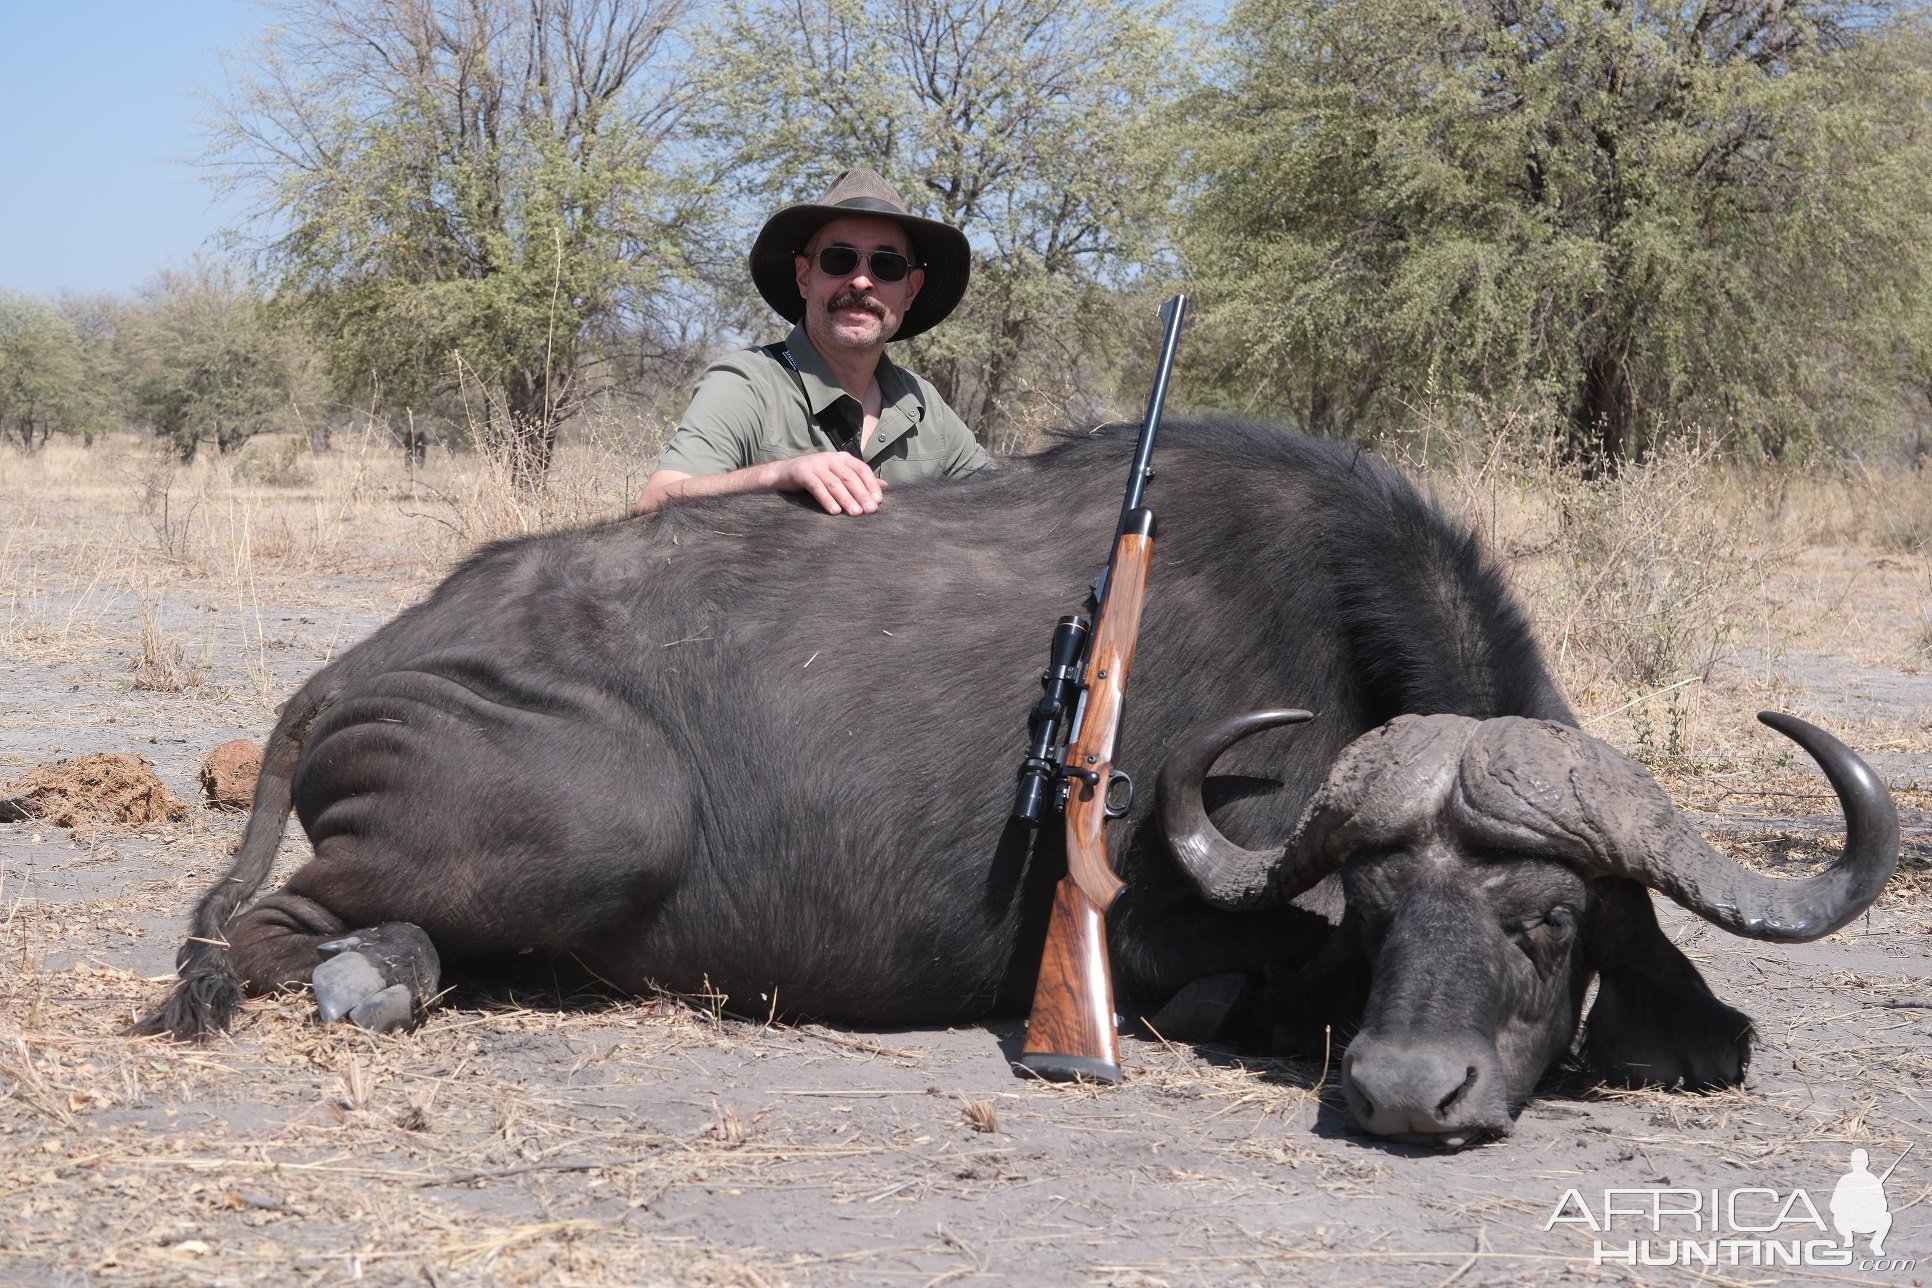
(1072, 1033)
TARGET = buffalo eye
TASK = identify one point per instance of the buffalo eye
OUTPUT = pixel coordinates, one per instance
(1544, 936)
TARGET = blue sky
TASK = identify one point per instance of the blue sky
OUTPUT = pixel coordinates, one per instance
(98, 125)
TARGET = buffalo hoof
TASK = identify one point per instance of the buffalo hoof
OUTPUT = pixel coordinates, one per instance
(380, 979)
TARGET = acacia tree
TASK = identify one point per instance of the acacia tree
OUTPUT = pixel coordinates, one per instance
(463, 190)
(204, 358)
(1637, 214)
(51, 380)
(1036, 127)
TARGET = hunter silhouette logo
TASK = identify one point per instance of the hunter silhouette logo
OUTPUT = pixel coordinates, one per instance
(1858, 1202)
(1746, 1225)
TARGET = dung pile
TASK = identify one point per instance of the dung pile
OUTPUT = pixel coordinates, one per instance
(104, 787)
(228, 774)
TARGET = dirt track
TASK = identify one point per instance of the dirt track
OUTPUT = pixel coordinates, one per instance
(533, 1138)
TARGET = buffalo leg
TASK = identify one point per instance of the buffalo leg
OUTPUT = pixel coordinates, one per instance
(1655, 1021)
(380, 978)
(277, 943)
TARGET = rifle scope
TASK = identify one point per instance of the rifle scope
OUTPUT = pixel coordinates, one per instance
(1060, 681)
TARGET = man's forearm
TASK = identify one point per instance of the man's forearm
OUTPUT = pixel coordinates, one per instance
(838, 481)
(668, 485)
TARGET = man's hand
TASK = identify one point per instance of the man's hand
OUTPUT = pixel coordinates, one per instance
(838, 481)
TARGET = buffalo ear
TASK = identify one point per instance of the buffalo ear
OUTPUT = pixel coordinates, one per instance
(1655, 1021)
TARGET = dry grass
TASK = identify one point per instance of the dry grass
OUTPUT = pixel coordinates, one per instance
(1669, 594)
(122, 530)
(163, 666)
(333, 1154)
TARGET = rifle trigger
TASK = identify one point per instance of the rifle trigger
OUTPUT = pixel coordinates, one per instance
(1120, 795)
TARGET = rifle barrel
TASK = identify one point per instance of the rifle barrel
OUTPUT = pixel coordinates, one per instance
(1172, 313)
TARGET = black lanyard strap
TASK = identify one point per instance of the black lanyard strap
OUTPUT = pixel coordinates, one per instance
(842, 439)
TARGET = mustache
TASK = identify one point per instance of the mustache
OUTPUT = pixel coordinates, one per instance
(853, 300)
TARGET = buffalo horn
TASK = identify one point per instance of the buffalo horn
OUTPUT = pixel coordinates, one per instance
(1602, 811)
(1227, 875)
(1533, 787)
(1387, 787)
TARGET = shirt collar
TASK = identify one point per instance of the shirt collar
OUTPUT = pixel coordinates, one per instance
(822, 388)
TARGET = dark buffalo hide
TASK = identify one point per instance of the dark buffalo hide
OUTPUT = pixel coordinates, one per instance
(742, 746)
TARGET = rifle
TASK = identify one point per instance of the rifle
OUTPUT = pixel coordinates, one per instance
(1071, 1033)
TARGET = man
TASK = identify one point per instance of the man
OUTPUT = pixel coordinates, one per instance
(827, 413)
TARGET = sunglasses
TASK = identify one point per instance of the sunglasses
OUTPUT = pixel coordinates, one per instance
(843, 261)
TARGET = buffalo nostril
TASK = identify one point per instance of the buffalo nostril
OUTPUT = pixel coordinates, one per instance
(1448, 1101)
(1401, 1088)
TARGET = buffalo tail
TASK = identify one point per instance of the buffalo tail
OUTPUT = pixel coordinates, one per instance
(204, 1002)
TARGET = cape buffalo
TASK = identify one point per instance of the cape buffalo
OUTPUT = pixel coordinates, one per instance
(739, 747)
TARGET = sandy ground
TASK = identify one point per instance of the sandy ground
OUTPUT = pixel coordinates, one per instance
(524, 1136)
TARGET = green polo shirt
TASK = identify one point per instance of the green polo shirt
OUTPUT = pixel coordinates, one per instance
(748, 410)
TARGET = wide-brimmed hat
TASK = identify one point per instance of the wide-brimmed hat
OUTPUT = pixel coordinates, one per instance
(938, 248)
